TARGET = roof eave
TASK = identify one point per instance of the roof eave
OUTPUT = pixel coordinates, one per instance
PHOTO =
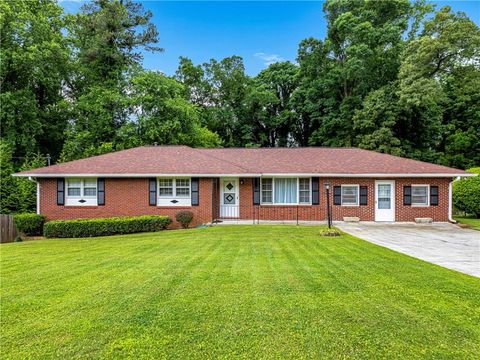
(323, 175)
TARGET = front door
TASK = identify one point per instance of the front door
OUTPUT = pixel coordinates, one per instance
(385, 200)
(229, 198)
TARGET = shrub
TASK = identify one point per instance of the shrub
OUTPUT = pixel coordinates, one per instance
(29, 224)
(466, 195)
(105, 226)
(330, 232)
(184, 217)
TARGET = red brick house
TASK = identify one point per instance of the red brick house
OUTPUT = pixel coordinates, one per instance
(250, 184)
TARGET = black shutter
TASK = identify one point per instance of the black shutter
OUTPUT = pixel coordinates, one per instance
(434, 195)
(407, 195)
(315, 191)
(195, 195)
(101, 191)
(363, 195)
(60, 191)
(152, 191)
(256, 191)
(337, 195)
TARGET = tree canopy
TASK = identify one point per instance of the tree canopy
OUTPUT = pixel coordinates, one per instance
(393, 76)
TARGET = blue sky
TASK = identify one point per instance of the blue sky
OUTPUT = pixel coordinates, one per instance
(260, 32)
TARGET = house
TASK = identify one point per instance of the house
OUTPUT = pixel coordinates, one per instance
(246, 183)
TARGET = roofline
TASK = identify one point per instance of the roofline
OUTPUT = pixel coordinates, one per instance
(323, 175)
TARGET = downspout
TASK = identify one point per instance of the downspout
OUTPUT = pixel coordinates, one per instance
(38, 193)
(450, 201)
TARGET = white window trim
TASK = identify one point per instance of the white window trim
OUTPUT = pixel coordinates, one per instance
(358, 195)
(174, 188)
(309, 191)
(273, 203)
(82, 187)
(428, 195)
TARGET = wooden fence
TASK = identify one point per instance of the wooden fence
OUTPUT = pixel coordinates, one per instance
(8, 230)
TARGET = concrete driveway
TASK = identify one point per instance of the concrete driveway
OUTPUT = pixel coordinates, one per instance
(443, 244)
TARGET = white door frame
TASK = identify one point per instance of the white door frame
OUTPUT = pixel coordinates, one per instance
(229, 210)
(385, 214)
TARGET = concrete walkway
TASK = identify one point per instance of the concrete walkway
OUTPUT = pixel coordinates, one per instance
(443, 244)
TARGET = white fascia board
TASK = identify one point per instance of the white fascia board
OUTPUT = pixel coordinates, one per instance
(385, 176)
(376, 175)
(133, 175)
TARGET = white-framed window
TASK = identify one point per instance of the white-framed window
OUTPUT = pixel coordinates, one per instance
(304, 190)
(81, 192)
(420, 195)
(173, 188)
(285, 191)
(165, 187)
(350, 195)
(267, 191)
(82, 188)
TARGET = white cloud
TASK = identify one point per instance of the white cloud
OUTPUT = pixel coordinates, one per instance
(268, 59)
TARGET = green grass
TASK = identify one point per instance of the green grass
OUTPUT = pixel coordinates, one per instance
(231, 292)
(472, 222)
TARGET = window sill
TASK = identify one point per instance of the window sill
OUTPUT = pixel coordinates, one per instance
(81, 206)
(350, 205)
(419, 206)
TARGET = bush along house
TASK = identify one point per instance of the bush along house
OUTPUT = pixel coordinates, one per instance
(246, 184)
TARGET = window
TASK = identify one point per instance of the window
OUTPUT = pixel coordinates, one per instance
(267, 191)
(82, 187)
(90, 187)
(349, 194)
(286, 191)
(420, 195)
(176, 188)
(165, 187)
(182, 187)
(304, 190)
(74, 187)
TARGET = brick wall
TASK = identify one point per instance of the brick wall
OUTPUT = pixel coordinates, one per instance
(123, 197)
(129, 197)
(364, 212)
(409, 213)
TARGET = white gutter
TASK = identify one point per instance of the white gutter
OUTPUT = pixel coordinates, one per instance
(322, 175)
(38, 193)
(450, 202)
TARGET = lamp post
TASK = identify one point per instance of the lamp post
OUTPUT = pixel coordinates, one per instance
(329, 214)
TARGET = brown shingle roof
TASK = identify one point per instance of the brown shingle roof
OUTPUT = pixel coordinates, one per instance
(183, 160)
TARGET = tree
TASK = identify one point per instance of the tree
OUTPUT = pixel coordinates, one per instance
(466, 194)
(361, 54)
(268, 109)
(431, 112)
(164, 115)
(32, 72)
(17, 194)
(219, 88)
(107, 36)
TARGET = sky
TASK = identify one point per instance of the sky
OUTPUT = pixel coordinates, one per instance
(259, 32)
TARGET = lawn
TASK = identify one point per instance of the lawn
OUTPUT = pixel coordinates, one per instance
(231, 292)
(472, 222)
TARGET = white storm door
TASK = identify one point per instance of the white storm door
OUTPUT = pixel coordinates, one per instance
(229, 198)
(385, 200)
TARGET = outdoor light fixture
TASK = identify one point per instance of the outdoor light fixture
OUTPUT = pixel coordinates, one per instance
(329, 212)
(241, 181)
